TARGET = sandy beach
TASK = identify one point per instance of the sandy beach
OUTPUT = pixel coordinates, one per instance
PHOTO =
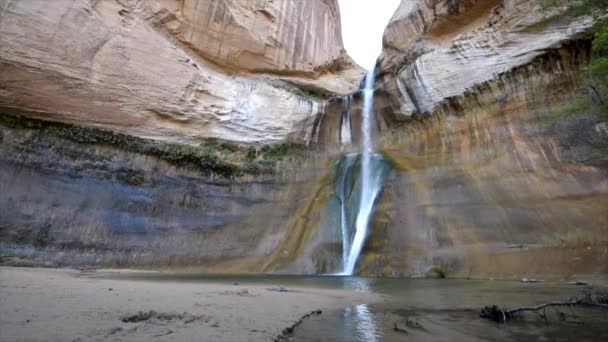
(70, 305)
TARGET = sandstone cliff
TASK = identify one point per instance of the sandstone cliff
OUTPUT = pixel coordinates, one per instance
(285, 36)
(174, 70)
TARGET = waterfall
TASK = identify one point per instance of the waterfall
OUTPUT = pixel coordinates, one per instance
(371, 177)
(345, 179)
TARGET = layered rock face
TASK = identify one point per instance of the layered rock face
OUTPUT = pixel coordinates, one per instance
(453, 46)
(159, 69)
(82, 197)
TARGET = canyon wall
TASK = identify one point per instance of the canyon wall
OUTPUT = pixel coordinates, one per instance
(161, 132)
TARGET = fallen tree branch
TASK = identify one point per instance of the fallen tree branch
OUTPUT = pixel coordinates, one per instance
(593, 296)
(542, 306)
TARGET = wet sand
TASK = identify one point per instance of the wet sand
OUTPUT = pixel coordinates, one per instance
(70, 305)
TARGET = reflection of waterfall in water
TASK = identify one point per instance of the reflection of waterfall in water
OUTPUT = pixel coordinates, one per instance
(372, 170)
(361, 323)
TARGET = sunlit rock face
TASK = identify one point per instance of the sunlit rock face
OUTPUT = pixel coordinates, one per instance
(284, 35)
(151, 68)
(287, 36)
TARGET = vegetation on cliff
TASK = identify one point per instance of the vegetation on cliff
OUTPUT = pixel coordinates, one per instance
(594, 90)
(211, 158)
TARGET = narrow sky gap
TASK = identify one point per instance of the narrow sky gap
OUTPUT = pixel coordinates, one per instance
(363, 22)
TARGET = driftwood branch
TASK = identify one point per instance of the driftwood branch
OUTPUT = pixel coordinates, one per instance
(593, 297)
(542, 306)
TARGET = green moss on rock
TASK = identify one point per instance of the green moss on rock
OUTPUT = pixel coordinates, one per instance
(130, 176)
(212, 157)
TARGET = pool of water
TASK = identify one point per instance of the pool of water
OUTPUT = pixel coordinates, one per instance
(430, 309)
(448, 310)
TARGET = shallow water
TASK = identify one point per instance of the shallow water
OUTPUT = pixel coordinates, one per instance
(448, 310)
(429, 309)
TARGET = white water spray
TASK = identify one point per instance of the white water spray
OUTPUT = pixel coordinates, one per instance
(345, 126)
(371, 180)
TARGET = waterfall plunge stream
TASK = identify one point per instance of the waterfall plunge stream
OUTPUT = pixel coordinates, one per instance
(361, 193)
